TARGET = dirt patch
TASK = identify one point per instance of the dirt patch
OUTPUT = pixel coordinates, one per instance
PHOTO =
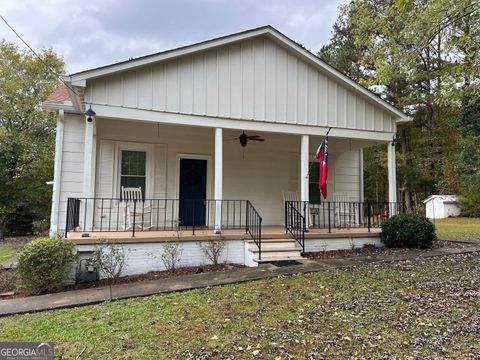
(372, 250)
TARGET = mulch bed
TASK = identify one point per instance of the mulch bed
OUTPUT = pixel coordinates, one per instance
(372, 250)
(8, 279)
(155, 275)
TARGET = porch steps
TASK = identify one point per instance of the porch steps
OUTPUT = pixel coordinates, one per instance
(275, 250)
(265, 260)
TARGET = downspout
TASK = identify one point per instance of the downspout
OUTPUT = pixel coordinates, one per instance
(57, 174)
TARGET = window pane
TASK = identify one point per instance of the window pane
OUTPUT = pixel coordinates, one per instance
(314, 192)
(134, 162)
(314, 172)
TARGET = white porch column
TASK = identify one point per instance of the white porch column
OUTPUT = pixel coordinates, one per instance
(392, 178)
(88, 173)
(57, 173)
(304, 162)
(218, 179)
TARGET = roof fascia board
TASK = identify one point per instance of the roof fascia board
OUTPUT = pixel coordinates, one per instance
(48, 106)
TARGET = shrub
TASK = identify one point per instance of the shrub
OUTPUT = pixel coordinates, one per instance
(40, 226)
(109, 258)
(408, 230)
(44, 262)
(213, 250)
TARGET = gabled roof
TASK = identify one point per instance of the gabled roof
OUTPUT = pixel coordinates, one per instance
(59, 96)
(80, 78)
(446, 199)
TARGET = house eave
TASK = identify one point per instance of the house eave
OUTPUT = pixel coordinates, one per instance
(54, 107)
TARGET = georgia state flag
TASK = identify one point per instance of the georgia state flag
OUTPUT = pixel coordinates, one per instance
(322, 157)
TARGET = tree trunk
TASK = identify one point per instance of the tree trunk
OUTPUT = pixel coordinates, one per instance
(2, 231)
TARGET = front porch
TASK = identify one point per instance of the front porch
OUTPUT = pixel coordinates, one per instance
(268, 233)
(306, 227)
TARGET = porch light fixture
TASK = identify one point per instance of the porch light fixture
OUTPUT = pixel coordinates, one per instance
(397, 139)
(90, 113)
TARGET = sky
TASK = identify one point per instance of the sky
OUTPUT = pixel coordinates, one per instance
(88, 34)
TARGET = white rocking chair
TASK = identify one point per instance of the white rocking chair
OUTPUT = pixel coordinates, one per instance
(137, 210)
(346, 211)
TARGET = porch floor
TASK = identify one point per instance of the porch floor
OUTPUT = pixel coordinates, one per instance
(268, 232)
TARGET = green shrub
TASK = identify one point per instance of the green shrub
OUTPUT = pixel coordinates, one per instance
(408, 230)
(44, 262)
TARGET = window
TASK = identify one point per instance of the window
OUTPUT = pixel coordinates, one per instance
(314, 191)
(133, 170)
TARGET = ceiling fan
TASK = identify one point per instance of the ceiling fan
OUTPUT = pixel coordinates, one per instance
(244, 138)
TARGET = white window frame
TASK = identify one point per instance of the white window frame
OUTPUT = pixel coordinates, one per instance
(150, 165)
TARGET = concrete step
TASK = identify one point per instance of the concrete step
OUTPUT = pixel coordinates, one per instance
(274, 249)
(273, 259)
(276, 253)
(275, 245)
(266, 241)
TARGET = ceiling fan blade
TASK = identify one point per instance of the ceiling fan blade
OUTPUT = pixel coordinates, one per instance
(254, 136)
(258, 139)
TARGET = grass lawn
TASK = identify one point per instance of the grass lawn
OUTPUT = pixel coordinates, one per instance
(8, 250)
(458, 228)
(424, 309)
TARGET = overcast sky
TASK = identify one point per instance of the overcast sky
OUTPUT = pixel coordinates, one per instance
(88, 33)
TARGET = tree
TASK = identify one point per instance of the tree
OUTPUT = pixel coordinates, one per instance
(26, 131)
(468, 158)
(419, 55)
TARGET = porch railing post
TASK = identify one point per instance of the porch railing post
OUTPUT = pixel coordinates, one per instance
(247, 218)
(329, 219)
(134, 215)
(369, 216)
(260, 239)
(193, 231)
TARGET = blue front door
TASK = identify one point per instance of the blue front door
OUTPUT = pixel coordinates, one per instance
(193, 192)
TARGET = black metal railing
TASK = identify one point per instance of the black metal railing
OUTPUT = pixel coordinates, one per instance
(345, 214)
(295, 222)
(112, 215)
(254, 226)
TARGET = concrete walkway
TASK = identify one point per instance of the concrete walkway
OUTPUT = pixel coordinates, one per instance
(162, 286)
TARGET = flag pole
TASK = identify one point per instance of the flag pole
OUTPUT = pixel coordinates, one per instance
(311, 164)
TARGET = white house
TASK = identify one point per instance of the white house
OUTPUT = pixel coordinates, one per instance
(441, 206)
(184, 126)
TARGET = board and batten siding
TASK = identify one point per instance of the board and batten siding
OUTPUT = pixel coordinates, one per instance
(71, 184)
(254, 79)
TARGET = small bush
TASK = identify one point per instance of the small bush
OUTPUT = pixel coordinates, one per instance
(213, 249)
(44, 262)
(110, 258)
(408, 230)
